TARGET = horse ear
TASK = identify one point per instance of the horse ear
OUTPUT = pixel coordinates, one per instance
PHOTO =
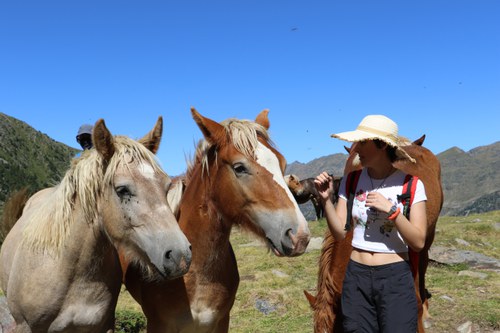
(310, 298)
(152, 140)
(419, 141)
(262, 119)
(103, 140)
(347, 149)
(212, 130)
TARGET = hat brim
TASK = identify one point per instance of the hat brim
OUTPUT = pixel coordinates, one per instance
(360, 135)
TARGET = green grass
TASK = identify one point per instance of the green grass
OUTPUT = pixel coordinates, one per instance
(477, 300)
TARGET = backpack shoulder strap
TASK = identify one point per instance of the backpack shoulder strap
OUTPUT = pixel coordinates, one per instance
(350, 189)
(408, 194)
(406, 198)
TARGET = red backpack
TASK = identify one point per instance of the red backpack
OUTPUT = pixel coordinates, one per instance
(406, 198)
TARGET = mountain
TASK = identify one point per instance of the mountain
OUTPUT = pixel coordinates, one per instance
(471, 181)
(29, 158)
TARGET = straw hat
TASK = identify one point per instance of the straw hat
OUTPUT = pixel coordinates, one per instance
(376, 127)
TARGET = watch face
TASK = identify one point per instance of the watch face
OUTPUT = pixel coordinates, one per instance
(393, 210)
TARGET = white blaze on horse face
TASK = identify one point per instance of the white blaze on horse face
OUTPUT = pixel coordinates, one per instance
(147, 171)
(269, 161)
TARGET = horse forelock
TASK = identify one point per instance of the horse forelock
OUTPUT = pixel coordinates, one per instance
(242, 134)
(48, 227)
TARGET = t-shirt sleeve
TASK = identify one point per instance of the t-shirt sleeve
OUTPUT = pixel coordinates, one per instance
(342, 192)
(420, 194)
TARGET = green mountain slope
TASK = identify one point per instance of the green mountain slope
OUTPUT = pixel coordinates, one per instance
(29, 157)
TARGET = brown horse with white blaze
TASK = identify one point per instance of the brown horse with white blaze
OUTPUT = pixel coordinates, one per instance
(59, 266)
(235, 179)
(335, 254)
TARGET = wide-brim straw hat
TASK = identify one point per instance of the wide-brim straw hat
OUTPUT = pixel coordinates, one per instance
(377, 127)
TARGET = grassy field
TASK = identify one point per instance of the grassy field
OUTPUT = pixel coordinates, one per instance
(276, 284)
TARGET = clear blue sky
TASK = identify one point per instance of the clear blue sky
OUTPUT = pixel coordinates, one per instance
(319, 66)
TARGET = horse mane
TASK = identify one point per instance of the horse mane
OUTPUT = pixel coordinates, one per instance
(12, 210)
(48, 225)
(243, 134)
(174, 194)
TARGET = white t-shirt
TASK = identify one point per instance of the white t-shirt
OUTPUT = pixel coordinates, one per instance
(373, 231)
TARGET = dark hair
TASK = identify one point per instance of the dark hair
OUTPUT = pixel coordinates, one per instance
(391, 151)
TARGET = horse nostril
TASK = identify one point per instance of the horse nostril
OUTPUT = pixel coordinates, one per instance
(167, 254)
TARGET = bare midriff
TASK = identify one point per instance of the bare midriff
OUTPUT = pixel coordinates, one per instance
(377, 258)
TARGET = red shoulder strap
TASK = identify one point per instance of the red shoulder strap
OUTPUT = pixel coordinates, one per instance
(408, 193)
(407, 196)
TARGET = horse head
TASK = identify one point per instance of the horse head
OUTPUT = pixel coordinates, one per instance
(294, 184)
(135, 214)
(245, 173)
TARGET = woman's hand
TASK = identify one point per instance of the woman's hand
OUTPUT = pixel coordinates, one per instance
(378, 201)
(324, 185)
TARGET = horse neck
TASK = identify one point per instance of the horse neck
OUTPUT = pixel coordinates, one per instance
(89, 243)
(206, 230)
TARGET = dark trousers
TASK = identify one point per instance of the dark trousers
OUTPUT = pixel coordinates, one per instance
(379, 299)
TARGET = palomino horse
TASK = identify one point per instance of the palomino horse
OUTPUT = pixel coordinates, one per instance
(304, 190)
(335, 254)
(235, 179)
(59, 265)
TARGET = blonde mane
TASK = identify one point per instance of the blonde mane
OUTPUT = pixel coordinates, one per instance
(48, 223)
(243, 134)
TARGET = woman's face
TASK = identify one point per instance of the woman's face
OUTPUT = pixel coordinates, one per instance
(368, 152)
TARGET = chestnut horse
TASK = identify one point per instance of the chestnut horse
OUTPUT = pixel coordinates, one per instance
(304, 190)
(235, 179)
(59, 265)
(335, 254)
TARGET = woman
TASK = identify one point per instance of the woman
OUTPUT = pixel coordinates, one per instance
(378, 294)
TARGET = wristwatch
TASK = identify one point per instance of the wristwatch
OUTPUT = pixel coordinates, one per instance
(393, 209)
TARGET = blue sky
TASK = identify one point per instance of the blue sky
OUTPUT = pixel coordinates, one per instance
(319, 66)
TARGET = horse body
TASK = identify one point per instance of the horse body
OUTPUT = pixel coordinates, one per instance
(335, 254)
(236, 179)
(59, 263)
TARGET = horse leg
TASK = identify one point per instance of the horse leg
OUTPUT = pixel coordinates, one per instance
(21, 328)
(222, 325)
(424, 262)
(317, 208)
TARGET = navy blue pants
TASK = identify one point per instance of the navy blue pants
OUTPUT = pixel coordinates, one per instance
(379, 298)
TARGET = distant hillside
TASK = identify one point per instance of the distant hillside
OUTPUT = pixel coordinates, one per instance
(29, 157)
(471, 181)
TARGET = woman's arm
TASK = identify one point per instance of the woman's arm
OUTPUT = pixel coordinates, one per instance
(413, 232)
(335, 214)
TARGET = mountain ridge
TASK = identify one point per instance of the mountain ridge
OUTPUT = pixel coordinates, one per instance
(29, 158)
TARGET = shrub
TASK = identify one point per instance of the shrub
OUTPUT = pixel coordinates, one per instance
(129, 322)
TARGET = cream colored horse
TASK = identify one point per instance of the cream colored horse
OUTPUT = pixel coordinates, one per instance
(59, 264)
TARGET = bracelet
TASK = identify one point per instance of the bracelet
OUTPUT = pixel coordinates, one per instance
(394, 215)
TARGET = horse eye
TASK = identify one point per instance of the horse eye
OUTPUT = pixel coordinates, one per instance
(239, 168)
(123, 191)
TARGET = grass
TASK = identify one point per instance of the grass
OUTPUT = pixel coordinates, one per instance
(279, 283)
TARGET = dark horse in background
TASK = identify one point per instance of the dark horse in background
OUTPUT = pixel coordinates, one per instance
(335, 254)
(305, 190)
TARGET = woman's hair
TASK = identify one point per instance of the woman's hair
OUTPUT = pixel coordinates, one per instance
(391, 151)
